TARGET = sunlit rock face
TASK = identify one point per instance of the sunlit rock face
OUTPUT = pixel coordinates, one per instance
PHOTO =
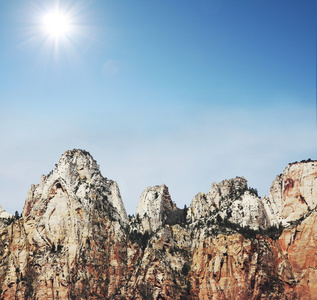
(249, 211)
(232, 200)
(72, 221)
(220, 196)
(76, 177)
(74, 240)
(154, 206)
(294, 193)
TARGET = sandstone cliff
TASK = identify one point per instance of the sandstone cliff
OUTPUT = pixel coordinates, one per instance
(75, 241)
(293, 193)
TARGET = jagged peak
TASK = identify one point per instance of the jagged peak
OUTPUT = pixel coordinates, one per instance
(227, 189)
(78, 177)
(75, 153)
(230, 188)
(77, 162)
(232, 200)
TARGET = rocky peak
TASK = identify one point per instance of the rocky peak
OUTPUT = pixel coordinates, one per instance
(153, 207)
(77, 165)
(77, 177)
(72, 219)
(231, 200)
(61, 209)
(294, 192)
(220, 196)
(230, 189)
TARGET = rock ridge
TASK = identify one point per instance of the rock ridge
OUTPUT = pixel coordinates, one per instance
(75, 241)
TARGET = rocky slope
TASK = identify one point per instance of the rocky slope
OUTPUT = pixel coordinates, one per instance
(75, 241)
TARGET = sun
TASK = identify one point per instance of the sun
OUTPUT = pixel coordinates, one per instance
(56, 24)
(58, 29)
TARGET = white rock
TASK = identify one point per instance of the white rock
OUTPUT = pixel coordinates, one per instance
(232, 201)
(219, 197)
(249, 212)
(293, 193)
(154, 205)
(61, 205)
(4, 214)
(77, 174)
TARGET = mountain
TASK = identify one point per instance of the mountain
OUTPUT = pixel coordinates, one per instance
(74, 239)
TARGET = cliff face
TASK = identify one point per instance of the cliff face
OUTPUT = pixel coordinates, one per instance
(74, 240)
(293, 193)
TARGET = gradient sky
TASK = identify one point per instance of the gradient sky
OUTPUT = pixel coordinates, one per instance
(177, 92)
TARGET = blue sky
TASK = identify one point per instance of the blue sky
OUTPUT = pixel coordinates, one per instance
(177, 92)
